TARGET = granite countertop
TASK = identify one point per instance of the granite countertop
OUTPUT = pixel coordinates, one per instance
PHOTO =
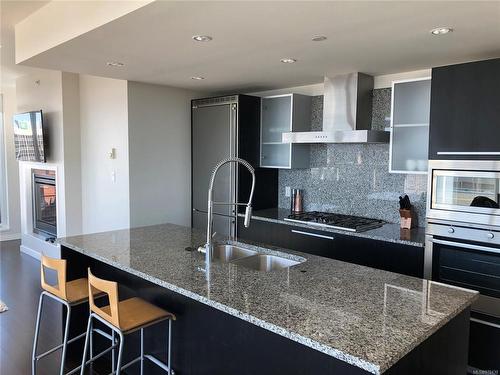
(388, 232)
(366, 317)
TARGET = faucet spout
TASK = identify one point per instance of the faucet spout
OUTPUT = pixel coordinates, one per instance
(211, 203)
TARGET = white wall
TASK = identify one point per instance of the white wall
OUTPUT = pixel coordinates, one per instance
(104, 125)
(160, 154)
(13, 231)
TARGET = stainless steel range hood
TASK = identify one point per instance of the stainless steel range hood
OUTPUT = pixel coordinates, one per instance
(347, 113)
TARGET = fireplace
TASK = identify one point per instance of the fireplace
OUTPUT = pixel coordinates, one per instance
(44, 202)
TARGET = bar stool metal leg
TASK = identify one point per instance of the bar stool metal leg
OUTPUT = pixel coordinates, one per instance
(120, 354)
(35, 357)
(65, 340)
(142, 351)
(87, 337)
(169, 353)
(113, 351)
(37, 331)
(91, 343)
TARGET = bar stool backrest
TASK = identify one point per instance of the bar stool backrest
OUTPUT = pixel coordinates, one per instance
(111, 289)
(58, 265)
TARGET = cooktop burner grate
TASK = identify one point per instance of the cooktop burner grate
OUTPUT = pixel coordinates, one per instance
(338, 221)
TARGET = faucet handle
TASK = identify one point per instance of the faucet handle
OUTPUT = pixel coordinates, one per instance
(213, 235)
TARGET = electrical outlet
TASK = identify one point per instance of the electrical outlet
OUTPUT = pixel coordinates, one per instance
(288, 191)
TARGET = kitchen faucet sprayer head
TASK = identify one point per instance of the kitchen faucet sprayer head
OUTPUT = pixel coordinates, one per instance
(248, 215)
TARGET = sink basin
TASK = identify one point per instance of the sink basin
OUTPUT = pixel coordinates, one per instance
(265, 263)
(228, 253)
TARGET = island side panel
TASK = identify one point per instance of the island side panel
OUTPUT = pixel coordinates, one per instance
(205, 340)
(443, 353)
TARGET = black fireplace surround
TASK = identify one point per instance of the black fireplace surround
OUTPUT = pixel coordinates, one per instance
(44, 202)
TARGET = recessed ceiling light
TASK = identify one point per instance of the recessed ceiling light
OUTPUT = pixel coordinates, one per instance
(288, 60)
(115, 64)
(319, 38)
(197, 78)
(441, 30)
(202, 38)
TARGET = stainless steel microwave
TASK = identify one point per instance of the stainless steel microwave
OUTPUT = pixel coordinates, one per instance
(464, 191)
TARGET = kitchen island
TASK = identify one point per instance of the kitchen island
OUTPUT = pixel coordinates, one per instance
(319, 316)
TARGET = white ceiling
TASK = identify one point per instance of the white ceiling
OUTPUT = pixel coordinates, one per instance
(12, 12)
(250, 38)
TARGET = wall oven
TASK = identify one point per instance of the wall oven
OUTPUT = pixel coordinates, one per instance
(463, 229)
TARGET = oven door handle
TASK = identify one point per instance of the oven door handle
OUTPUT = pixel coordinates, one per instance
(467, 246)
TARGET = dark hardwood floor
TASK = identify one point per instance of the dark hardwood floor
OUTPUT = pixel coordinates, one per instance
(20, 290)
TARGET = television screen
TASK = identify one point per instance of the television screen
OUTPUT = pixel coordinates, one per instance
(28, 136)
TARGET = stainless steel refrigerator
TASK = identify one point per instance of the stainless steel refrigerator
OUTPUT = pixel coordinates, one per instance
(223, 127)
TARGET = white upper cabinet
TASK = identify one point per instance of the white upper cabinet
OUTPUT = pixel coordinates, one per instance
(410, 111)
(279, 114)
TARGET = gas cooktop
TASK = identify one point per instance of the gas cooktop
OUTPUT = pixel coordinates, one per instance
(337, 221)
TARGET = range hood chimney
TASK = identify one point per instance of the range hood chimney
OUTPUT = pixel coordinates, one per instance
(347, 113)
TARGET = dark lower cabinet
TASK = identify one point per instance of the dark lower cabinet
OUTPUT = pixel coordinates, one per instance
(388, 256)
(484, 345)
(465, 111)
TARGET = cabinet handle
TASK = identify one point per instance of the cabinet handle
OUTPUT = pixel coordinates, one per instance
(485, 322)
(312, 234)
(468, 153)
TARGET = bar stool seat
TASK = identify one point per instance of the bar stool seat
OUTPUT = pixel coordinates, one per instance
(77, 291)
(136, 313)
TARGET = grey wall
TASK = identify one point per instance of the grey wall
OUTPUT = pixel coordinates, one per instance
(354, 178)
(72, 153)
(159, 154)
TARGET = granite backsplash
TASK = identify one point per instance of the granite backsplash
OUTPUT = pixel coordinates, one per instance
(354, 178)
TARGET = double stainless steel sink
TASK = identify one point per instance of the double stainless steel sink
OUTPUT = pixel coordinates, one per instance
(252, 259)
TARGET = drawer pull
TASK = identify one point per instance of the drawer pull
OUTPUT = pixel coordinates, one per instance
(485, 322)
(312, 234)
(480, 153)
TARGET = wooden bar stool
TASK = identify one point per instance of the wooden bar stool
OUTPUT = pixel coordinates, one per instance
(125, 317)
(69, 294)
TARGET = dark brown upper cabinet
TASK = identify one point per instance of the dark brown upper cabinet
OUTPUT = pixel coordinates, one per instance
(465, 111)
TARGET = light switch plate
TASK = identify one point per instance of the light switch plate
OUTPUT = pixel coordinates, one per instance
(288, 192)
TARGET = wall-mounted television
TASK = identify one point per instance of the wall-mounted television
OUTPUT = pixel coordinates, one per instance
(29, 136)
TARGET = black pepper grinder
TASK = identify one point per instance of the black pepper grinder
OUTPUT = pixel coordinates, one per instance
(297, 201)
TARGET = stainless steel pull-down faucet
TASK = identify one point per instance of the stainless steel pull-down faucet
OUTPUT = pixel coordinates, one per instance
(248, 211)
